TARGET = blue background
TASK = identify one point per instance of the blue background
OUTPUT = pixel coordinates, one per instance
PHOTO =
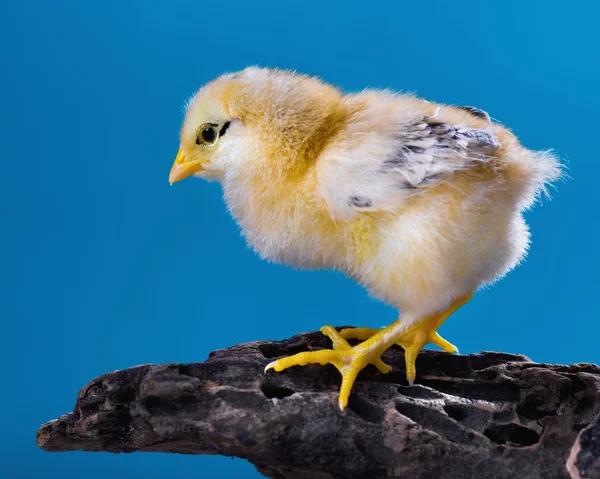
(104, 266)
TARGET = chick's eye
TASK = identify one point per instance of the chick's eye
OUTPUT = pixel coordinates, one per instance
(207, 135)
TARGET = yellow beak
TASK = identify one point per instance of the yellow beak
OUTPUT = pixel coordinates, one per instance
(182, 168)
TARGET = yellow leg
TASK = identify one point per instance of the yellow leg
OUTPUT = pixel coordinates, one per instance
(413, 340)
(425, 331)
(351, 360)
(366, 333)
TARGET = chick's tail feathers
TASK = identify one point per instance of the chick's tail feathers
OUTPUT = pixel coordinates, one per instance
(543, 170)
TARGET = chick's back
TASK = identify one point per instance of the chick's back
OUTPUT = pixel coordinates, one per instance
(444, 188)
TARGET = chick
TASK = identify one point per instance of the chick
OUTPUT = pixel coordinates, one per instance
(419, 202)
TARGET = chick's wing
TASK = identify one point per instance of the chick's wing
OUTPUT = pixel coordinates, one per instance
(379, 170)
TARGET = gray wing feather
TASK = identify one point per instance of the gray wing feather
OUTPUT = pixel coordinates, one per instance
(476, 112)
(381, 172)
(428, 152)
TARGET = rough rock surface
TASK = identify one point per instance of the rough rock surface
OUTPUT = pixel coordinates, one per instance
(584, 461)
(487, 415)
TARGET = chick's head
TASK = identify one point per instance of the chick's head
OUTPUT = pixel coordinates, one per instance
(255, 119)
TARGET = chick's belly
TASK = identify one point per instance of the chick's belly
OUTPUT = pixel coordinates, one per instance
(300, 250)
(420, 268)
(295, 257)
(407, 277)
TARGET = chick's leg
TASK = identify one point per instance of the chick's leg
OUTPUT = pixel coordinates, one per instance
(431, 322)
(425, 331)
(351, 360)
(366, 333)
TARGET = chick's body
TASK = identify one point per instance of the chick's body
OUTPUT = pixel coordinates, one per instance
(419, 202)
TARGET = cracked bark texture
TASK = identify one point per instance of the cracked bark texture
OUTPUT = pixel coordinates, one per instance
(487, 415)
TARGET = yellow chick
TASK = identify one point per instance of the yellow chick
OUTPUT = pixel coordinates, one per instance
(419, 202)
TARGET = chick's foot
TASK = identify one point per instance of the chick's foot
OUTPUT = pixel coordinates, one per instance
(407, 339)
(348, 360)
(415, 337)
(425, 331)
(412, 341)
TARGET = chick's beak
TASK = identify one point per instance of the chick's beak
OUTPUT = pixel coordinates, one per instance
(182, 168)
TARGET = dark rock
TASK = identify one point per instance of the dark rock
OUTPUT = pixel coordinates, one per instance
(487, 415)
(584, 461)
